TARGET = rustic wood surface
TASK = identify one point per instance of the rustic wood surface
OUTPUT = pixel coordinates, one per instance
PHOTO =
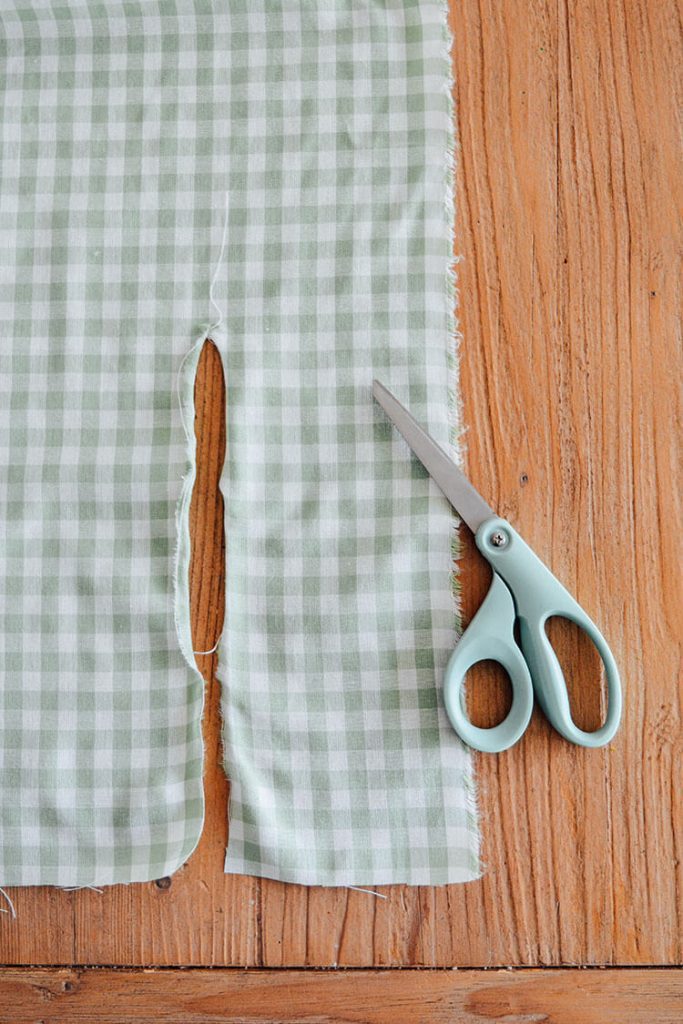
(567, 219)
(95, 996)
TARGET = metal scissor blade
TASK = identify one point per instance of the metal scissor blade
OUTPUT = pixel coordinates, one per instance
(467, 501)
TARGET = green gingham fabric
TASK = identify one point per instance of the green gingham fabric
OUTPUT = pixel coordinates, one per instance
(275, 176)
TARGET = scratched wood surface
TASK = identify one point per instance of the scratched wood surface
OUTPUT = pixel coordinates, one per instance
(569, 191)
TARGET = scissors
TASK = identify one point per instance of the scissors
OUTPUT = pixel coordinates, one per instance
(523, 591)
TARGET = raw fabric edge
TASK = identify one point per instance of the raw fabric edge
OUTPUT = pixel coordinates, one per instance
(185, 385)
(457, 430)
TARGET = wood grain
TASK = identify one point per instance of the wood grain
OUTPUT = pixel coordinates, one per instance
(568, 200)
(341, 997)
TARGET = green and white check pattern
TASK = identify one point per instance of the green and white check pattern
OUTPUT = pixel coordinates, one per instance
(130, 131)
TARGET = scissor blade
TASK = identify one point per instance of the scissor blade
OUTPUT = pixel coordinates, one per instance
(467, 501)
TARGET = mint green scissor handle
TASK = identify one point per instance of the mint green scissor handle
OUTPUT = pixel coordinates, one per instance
(523, 590)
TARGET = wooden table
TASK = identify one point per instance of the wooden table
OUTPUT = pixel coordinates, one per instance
(569, 310)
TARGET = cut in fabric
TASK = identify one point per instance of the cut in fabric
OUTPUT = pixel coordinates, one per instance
(277, 176)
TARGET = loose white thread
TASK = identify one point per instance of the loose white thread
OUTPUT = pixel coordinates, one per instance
(218, 323)
(10, 905)
(77, 888)
(372, 892)
(212, 650)
(209, 330)
(212, 327)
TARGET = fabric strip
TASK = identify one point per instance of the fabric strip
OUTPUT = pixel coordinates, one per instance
(340, 611)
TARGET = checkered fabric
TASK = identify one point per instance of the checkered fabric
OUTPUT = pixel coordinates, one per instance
(300, 152)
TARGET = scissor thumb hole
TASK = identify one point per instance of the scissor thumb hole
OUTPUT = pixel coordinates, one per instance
(506, 654)
(486, 694)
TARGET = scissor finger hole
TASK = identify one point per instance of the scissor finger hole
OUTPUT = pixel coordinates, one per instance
(583, 672)
(488, 694)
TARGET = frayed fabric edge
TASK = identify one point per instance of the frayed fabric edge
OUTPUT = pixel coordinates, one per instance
(185, 383)
(457, 430)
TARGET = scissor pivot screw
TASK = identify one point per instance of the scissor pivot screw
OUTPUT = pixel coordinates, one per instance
(498, 539)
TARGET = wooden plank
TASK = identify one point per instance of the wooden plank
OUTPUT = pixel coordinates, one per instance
(567, 214)
(373, 997)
